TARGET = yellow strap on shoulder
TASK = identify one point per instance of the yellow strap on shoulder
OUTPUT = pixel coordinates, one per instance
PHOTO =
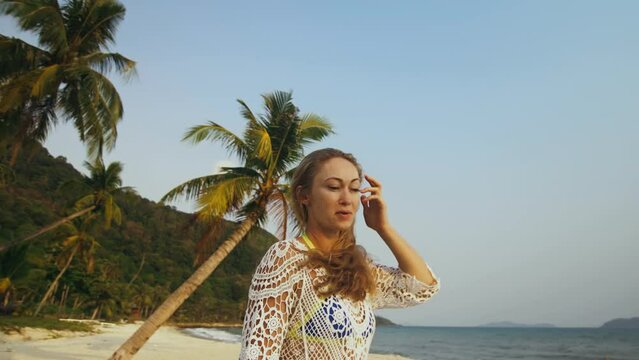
(308, 241)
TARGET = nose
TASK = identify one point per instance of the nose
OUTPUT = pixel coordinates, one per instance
(345, 197)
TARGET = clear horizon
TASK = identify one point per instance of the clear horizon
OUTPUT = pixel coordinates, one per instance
(506, 134)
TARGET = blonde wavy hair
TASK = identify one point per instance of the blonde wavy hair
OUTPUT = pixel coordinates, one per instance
(347, 269)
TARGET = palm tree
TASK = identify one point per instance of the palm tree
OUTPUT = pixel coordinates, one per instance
(65, 74)
(103, 183)
(271, 145)
(79, 241)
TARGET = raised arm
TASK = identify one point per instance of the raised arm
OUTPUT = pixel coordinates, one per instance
(413, 282)
(407, 258)
(375, 215)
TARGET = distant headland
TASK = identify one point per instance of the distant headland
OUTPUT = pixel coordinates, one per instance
(631, 323)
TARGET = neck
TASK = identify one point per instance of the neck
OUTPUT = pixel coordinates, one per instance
(323, 240)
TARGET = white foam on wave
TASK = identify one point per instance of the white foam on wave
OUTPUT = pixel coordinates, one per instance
(213, 334)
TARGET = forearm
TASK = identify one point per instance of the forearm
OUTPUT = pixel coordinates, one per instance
(408, 259)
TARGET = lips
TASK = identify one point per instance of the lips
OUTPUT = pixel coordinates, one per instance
(344, 212)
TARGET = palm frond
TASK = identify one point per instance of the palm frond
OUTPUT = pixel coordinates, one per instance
(117, 214)
(224, 197)
(18, 56)
(205, 245)
(16, 93)
(108, 209)
(91, 100)
(262, 144)
(47, 83)
(287, 147)
(68, 228)
(28, 125)
(79, 102)
(242, 170)
(314, 128)
(44, 17)
(215, 132)
(288, 174)
(113, 176)
(279, 210)
(193, 188)
(85, 202)
(247, 113)
(71, 240)
(107, 62)
(109, 109)
(279, 107)
(92, 24)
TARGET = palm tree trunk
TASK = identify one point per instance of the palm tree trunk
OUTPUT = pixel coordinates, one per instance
(7, 296)
(76, 303)
(175, 300)
(96, 312)
(15, 150)
(50, 227)
(137, 273)
(49, 292)
(63, 298)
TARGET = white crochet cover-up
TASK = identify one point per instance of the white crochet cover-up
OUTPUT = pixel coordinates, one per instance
(286, 319)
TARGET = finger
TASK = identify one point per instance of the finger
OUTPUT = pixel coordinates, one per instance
(373, 197)
(366, 200)
(374, 182)
(372, 190)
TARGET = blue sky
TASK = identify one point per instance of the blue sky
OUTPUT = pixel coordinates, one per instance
(505, 132)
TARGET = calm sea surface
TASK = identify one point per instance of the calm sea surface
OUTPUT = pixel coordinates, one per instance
(463, 343)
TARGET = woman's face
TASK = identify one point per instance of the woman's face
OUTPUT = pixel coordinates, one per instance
(333, 199)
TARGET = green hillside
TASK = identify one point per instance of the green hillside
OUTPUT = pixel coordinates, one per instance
(160, 238)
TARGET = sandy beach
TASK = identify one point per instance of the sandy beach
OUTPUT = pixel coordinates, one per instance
(167, 343)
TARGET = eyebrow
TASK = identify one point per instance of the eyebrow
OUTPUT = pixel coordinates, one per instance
(340, 180)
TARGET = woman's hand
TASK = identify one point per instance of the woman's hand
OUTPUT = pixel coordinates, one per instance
(374, 205)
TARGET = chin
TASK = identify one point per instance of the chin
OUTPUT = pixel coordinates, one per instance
(345, 227)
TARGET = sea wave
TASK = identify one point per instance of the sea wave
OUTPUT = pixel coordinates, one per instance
(213, 334)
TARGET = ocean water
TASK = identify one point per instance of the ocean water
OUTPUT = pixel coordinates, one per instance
(457, 343)
(468, 343)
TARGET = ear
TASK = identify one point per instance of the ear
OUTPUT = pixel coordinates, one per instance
(301, 195)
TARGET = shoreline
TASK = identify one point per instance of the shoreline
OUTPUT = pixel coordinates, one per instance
(205, 325)
(169, 342)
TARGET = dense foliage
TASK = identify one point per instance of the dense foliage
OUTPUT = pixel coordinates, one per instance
(137, 263)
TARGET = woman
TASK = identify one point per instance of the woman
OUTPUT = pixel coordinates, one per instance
(312, 297)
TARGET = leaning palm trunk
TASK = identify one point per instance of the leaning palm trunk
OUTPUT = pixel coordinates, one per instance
(54, 284)
(175, 300)
(49, 227)
(15, 150)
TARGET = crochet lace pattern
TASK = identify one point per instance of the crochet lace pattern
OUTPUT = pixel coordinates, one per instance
(286, 319)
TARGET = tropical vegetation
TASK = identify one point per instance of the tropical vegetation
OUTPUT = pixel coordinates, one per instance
(136, 264)
(98, 189)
